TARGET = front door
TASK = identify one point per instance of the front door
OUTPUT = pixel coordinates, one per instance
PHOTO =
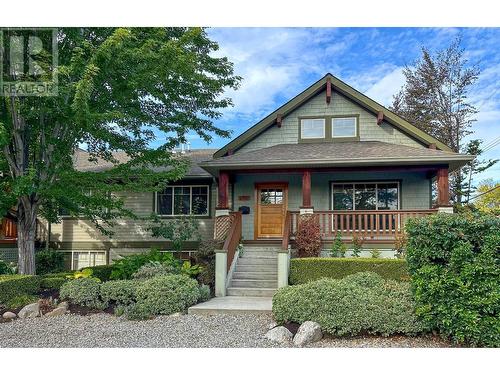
(271, 199)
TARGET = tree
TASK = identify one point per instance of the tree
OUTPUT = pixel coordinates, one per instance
(474, 167)
(119, 90)
(435, 99)
(488, 197)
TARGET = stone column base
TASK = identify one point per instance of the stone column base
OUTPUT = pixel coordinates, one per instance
(306, 210)
(445, 209)
(221, 212)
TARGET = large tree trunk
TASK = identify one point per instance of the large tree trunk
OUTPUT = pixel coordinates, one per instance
(26, 232)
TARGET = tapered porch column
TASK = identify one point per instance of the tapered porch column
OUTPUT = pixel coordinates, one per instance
(223, 189)
(306, 207)
(222, 219)
(443, 191)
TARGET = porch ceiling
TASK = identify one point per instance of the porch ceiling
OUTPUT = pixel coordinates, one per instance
(339, 154)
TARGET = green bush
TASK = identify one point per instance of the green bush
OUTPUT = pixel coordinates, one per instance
(15, 285)
(54, 280)
(455, 265)
(121, 292)
(83, 292)
(303, 270)
(103, 272)
(21, 301)
(357, 304)
(205, 257)
(125, 267)
(49, 261)
(166, 295)
(154, 269)
(138, 311)
(6, 268)
(205, 293)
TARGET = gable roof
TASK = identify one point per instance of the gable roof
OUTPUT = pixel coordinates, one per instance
(350, 93)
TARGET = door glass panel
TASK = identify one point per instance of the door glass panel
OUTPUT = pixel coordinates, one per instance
(271, 196)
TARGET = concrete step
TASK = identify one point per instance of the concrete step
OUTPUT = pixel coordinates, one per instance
(242, 283)
(251, 292)
(233, 305)
(261, 248)
(255, 275)
(255, 268)
(263, 254)
(254, 261)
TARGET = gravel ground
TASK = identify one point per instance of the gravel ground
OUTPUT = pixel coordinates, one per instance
(104, 330)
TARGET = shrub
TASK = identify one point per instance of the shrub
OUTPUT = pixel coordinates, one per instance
(15, 285)
(357, 245)
(21, 301)
(121, 292)
(338, 247)
(205, 257)
(205, 293)
(6, 268)
(103, 272)
(351, 306)
(54, 280)
(165, 295)
(455, 265)
(154, 269)
(308, 236)
(303, 270)
(49, 261)
(125, 267)
(375, 253)
(138, 311)
(83, 292)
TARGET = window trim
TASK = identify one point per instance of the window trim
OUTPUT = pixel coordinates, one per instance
(356, 119)
(155, 203)
(376, 182)
(328, 120)
(312, 118)
(72, 252)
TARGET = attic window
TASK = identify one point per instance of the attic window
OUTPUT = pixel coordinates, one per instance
(312, 128)
(344, 127)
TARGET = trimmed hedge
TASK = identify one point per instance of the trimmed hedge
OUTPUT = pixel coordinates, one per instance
(54, 280)
(103, 273)
(303, 270)
(16, 285)
(83, 292)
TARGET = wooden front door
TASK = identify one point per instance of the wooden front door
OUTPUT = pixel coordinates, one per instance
(271, 207)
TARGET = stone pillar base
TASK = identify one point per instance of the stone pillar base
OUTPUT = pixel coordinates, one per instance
(221, 212)
(445, 209)
(306, 210)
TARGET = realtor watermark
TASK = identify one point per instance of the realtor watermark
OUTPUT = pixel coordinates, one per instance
(28, 62)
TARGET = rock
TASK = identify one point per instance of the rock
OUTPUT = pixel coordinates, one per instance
(30, 311)
(9, 315)
(280, 335)
(64, 304)
(272, 325)
(308, 332)
(57, 311)
(175, 315)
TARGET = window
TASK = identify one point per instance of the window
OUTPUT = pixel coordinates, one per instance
(80, 259)
(344, 127)
(365, 196)
(312, 128)
(271, 196)
(183, 200)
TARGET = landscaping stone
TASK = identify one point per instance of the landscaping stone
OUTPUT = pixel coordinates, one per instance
(280, 335)
(308, 333)
(57, 311)
(175, 315)
(9, 315)
(64, 304)
(30, 311)
(272, 325)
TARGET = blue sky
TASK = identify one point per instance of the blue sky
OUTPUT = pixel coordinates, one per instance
(278, 63)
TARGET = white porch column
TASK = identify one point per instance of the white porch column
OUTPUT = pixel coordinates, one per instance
(220, 273)
(283, 267)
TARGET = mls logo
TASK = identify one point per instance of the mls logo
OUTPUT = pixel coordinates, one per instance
(28, 62)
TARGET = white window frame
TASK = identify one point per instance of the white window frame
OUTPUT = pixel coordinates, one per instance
(89, 252)
(190, 201)
(345, 118)
(364, 183)
(312, 119)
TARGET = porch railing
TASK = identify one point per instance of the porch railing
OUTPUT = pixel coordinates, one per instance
(287, 230)
(379, 224)
(233, 238)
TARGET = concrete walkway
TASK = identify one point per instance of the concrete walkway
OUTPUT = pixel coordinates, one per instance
(233, 305)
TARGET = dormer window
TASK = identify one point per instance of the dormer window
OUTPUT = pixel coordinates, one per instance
(312, 128)
(344, 127)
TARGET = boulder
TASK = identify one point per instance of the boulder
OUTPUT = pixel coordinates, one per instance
(280, 335)
(308, 333)
(57, 311)
(30, 311)
(9, 315)
(64, 304)
(272, 324)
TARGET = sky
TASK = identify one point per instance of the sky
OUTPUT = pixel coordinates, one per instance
(278, 63)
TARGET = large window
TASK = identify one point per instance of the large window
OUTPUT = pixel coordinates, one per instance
(365, 196)
(344, 127)
(183, 200)
(312, 128)
(80, 259)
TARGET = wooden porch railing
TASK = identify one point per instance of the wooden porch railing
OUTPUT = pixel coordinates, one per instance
(375, 224)
(233, 238)
(287, 230)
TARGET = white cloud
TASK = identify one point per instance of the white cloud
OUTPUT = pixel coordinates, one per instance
(383, 90)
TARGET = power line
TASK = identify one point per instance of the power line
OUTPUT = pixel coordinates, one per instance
(486, 192)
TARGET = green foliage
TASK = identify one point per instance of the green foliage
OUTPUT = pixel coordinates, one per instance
(138, 311)
(338, 247)
(308, 236)
(120, 292)
(303, 270)
(154, 269)
(21, 301)
(6, 268)
(49, 261)
(54, 280)
(83, 292)
(15, 285)
(375, 253)
(205, 293)
(166, 295)
(357, 245)
(205, 257)
(350, 306)
(190, 270)
(85, 273)
(126, 267)
(103, 272)
(177, 230)
(455, 265)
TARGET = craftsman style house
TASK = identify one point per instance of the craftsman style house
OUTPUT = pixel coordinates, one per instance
(330, 151)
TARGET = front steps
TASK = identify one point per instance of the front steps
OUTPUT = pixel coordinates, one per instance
(256, 272)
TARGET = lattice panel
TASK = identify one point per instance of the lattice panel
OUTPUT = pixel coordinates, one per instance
(222, 225)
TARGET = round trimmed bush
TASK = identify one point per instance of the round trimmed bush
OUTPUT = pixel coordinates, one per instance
(205, 293)
(121, 292)
(166, 295)
(84, 292)
(154, 269)
(365, 279)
